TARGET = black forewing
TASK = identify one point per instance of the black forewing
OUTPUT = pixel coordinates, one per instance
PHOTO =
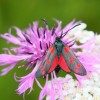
(47, 62)
(73, 62)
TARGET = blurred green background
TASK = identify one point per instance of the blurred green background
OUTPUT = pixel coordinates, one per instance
(23, 12)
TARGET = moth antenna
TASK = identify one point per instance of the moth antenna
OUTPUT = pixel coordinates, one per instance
(71, 29)
(71, 41)
(72, 44)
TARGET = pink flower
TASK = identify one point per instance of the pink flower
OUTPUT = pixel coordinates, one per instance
(31, 47)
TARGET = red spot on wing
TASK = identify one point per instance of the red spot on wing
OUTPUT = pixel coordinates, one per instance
(54, 64)
(76, 70)
(72, 59)
(51, 49)
(43, 72)
(63, 64)
(42, 67)
(78, 65)
(47, 61)
(67, 49)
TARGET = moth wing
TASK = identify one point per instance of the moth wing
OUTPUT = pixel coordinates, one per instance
(72, 61)
(63, 64)
(49, 63)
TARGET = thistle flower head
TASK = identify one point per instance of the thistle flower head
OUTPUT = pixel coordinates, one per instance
(32, 43)
(31, 47)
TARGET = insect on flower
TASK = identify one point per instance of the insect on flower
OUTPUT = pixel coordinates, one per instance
(60, 54)
(43, 49)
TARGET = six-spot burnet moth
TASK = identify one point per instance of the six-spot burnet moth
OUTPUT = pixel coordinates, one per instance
(60, 54)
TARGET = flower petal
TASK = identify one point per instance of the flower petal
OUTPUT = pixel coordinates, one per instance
(6, 70)
(27, 81)
(11, 38)
(7, 59)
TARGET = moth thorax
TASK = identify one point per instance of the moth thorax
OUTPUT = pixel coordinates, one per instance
(59, 47)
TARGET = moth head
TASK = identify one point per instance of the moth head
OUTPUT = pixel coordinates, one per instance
(58, 38)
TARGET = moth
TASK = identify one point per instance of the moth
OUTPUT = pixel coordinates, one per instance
(60, 54)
